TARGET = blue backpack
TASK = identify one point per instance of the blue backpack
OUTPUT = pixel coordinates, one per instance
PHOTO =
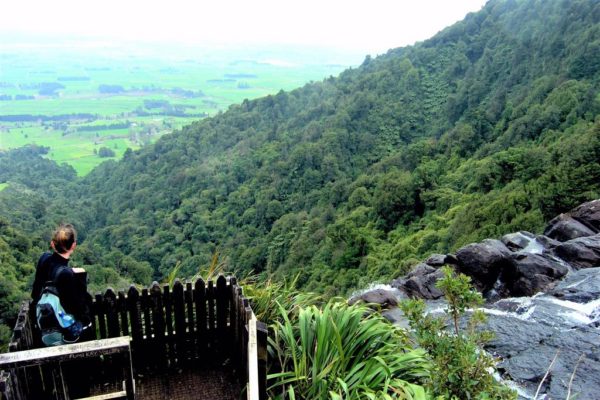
(57, 326)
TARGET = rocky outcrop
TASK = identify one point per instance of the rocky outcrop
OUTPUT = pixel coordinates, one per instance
(580, 222)
(532, 273)
(579, 287)
(563, 228)
(483, 262)
(517, 241)
(562, 269)
(420, 282)
(530, 332)
(582, 252)
(436, 260)
(383, 296)
(588, 214)
(521, 263)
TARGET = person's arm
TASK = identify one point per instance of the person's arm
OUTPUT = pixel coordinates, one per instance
(39, 280)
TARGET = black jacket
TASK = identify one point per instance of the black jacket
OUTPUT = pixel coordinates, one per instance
(71, 292)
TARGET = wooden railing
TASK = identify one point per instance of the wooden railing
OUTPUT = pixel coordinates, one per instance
(190, 324)
(14, 382)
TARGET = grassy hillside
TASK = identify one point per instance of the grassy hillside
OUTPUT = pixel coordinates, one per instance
(491, 126)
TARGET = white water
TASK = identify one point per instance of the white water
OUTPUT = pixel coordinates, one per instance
(519, 315)
(376, 286)
(576, 312)
(534, 247)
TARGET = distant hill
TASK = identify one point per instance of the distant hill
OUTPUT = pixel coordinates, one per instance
(489, 127)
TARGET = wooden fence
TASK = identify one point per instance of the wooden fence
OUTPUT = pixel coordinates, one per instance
(13, 382)
(201, 323)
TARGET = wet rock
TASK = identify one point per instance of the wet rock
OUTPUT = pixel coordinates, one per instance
(580, 286)
(583, 252)
(532, 273)
(396, 317)
(595, 317)
(530, 331)
(436, 260)
(483, 262)
(420, 270)
(564, 227)
(546, 242)
(517, 241)
(420, 282)
(451, 259)
(588, 214)
(384, 297)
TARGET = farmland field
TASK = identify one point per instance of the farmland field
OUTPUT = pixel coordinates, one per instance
(90, 103)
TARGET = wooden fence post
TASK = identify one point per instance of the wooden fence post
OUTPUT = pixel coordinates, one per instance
(112, 315)
(191, 350)
(122, 307)
(179, 311)
(223, 339)
(262, 335)
(158, 321)
(168, 302)
(233, 320)
(211, 320)
(99, 311)
(136, 325)
(200, 301)
(253, 385)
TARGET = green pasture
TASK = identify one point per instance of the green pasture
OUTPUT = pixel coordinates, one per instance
(215, 82)
(75, 149)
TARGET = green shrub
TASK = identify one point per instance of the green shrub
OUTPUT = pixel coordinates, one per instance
(460, 368)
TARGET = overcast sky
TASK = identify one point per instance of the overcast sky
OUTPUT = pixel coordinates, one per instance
(368, 26)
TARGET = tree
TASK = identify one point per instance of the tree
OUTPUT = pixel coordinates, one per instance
(105, 152)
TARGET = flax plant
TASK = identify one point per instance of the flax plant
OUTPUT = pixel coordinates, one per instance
(343, 352)
(265, 294)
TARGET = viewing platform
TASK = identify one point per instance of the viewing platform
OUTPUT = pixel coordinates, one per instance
(196, 340)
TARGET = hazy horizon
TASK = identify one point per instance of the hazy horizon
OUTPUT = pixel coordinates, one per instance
(349, 27)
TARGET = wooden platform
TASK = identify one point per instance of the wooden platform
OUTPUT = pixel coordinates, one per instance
(203, 336)
(185, 384)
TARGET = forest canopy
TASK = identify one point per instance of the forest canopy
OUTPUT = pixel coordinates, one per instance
(489, 127)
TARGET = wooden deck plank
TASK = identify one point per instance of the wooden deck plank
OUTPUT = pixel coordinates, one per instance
(65, 352)
(109, 396)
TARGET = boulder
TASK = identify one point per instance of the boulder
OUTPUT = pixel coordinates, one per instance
(483, 262)
(518, 241)
(531, 273)
(420, 282)
(564, 227)
(583, 252)
(436, 260)
(451, 259)
(588, 214)
(547, 242)
(580, 286)
(420, 270)
(396, 317)
(384, 297)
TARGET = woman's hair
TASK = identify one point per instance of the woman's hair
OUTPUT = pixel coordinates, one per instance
(63, 238)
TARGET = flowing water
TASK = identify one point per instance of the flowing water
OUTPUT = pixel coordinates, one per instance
(530, 331)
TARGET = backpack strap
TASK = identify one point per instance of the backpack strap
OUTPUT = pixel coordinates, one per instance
(57, 273)
(50, 285)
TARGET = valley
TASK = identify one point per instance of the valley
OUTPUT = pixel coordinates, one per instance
(472, 143)
(78, 98)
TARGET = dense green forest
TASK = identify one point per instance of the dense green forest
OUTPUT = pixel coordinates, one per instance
(489, 127)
